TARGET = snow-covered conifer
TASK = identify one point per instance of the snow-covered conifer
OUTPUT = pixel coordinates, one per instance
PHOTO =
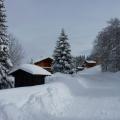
(62, 55)
(5, 62)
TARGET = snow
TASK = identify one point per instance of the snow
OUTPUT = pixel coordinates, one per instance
(33, 69)
(4, 48)
(43, 58)
(90, 61)
(9, 62)
(87, 95)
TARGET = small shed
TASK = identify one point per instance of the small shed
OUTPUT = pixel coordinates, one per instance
(45, 63)
(29, 75)
(89, 63)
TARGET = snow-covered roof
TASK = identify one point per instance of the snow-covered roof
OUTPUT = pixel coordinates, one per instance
(42, 58)
(90, 61)
(32, 69)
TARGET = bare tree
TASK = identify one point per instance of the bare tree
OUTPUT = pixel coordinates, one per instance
(16, 50)
(107, 46)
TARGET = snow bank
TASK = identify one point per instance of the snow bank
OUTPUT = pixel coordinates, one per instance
(88, 95)
(41, 102)
(10, 112)
(52, 100)
(95, 79)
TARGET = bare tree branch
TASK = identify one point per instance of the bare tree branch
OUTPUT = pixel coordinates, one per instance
(16, 50)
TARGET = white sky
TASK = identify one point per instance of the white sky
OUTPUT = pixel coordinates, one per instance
(37, 23)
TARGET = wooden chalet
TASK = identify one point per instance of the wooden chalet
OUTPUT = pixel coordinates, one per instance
(89, 63)
(29, 75)
(45, 63)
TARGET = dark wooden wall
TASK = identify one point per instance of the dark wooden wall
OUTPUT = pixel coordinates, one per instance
(23, 78)
(88, 65)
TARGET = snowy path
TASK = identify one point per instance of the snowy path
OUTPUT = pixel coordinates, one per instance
(89, 95)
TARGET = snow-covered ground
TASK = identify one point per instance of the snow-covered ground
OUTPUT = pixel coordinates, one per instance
(88, 95)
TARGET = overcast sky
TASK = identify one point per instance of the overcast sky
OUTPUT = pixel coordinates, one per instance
(37, 23)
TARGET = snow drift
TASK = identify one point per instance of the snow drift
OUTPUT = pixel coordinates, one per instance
(88, 95)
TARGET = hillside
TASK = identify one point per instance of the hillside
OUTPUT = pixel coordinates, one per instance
(88, 95)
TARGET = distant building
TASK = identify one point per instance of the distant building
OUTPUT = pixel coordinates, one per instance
(45, 63)
(89, 63)
(29, 75)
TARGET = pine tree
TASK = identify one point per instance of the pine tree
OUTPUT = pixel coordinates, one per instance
(62, 55)
(5, 63)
